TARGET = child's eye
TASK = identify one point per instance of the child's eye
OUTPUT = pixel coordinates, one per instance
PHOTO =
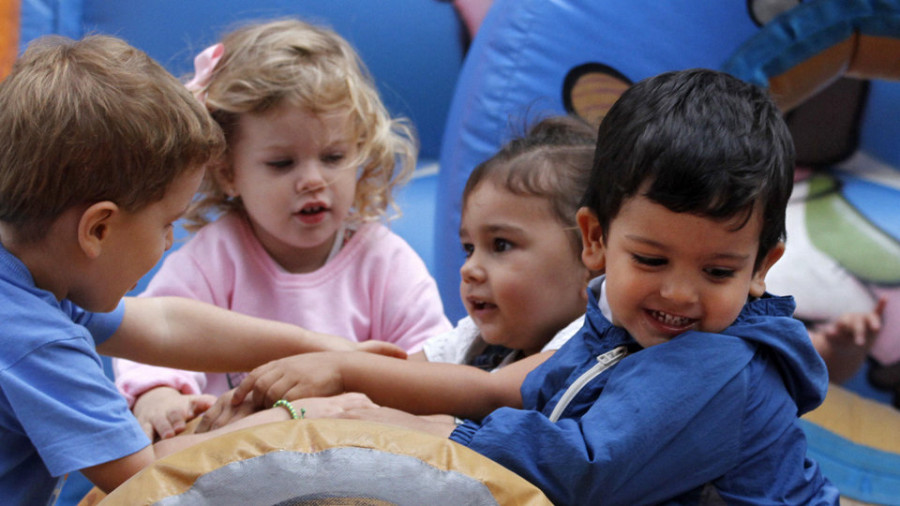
(719, 272)
(468, 249)
(501, 245)
(333, 158)
(648, 261)
(280, 164)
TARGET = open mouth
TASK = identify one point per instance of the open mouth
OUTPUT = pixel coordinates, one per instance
(480, 305)
(311, 210)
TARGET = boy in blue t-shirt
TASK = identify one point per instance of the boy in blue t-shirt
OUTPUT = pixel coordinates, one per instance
(102, 151)
(686, 381)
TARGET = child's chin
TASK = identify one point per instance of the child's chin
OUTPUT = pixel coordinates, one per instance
(493, 339)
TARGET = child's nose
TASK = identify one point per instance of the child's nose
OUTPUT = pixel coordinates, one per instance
(471, 272)
(679, 288)
(310, 179)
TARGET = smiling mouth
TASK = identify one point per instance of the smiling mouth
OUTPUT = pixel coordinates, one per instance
(671, 320)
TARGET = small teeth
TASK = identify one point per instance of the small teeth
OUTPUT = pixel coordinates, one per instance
(311, 210)
(479, 304)
(673, 321)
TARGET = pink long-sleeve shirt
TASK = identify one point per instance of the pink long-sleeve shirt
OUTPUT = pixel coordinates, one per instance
(376, 287)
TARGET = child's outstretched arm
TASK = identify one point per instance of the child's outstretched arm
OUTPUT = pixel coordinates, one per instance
(845, 342)
(418, 387)
(187, 334)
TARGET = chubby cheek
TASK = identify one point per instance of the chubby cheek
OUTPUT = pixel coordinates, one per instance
(346, 193)
(619, 294)
(724, 312)
(510, 292)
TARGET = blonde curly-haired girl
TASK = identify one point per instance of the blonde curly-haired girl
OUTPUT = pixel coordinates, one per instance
(289, 223)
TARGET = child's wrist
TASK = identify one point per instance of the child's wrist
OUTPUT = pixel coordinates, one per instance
(294, 414)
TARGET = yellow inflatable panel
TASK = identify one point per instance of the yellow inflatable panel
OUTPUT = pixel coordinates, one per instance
(858, 419)
(326, 462)
(856, 441)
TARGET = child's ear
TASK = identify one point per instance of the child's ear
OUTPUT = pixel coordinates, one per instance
(225, 178)
(758, 281)
(94, 227)
(593, 252)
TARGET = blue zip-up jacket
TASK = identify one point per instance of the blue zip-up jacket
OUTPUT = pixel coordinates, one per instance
(701, 419)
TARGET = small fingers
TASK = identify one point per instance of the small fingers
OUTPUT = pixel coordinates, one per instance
(251, 382)
(296, 392)
(872, 325)
(879, 307)
(246, 386)
(256, 384)
(857, 329)
(178, 421)
(266, 395)
(200, 403)
(163, 427)
(203, 426)
(209, 417)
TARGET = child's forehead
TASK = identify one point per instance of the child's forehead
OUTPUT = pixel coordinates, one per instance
(287, 119)
(495, 190)
(690, 203)
(342, 124)
(334, 115)
(492, 202)
(641, 212)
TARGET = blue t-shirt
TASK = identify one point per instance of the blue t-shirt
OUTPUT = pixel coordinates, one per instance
(59, 412)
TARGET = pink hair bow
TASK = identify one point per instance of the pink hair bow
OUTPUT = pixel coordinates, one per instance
(204, 64)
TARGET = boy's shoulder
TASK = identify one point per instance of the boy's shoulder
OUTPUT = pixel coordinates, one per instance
(32, 320)
(32, 317)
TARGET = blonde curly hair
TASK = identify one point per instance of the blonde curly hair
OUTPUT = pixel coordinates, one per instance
(289, 61)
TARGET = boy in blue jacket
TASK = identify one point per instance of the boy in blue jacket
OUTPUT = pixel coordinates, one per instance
(687, 379)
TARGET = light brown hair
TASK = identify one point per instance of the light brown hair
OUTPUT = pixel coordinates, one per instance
(92, 120)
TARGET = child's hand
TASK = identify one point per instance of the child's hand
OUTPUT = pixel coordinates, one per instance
(164, 411)
(294, 377)
(844, 343)
(852, 329)
(224, 411)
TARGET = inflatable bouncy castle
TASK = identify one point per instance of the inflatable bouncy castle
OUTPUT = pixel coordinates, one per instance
(470, 73)
(832, 66)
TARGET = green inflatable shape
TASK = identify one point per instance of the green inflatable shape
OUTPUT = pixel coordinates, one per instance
(837, 229)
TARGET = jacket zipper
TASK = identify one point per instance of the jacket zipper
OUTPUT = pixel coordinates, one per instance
(604, 362)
